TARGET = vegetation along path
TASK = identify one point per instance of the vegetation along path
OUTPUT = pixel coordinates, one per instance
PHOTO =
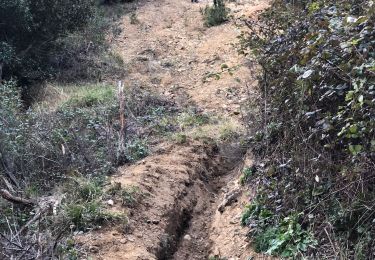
(190, 201)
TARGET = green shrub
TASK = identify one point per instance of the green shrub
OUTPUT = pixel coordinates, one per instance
(284, 237)
(29, 30)
(73, 145)
(191, 119)
(247, 173)
(228, 132)
(216, 14)
(87, 190)
(47, 145)
(180, 138)
(316, 137)
(136, 150)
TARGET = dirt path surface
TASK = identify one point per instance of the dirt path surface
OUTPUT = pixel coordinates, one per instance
(167, 47)
(191, 202)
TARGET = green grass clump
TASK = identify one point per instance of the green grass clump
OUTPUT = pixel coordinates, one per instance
(190, 119)
(83, 207)
(180, 138)
(216, 14)
(128, 196)
(228, 132)
(88, 190)
(91, 214)
(88, 96)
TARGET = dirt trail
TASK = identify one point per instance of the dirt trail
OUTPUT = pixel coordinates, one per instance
(166, 48)
(169, 49)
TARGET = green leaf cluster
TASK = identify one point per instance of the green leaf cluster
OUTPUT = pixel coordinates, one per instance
(316, 139)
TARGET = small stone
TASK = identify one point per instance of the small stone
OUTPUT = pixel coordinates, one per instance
(131, 239)
(233, 221)
(94, 249)
(187, 237)
(110, 202)
(123, 241)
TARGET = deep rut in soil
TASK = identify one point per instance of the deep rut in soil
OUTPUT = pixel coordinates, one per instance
(193, 240)
(181, 187)
(169, 51)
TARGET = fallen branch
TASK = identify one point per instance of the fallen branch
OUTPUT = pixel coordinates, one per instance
(37, 216)
(14, 199)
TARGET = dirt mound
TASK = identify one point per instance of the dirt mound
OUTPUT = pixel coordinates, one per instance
(179, 192)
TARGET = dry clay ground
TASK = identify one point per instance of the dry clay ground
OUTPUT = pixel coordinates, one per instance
(192, 202)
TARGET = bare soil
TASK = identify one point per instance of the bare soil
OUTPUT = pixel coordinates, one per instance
(191, 201)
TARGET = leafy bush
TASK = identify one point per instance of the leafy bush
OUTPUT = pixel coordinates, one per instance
(29, 30)
(287, 238)
(72, 145)
(316, 136)
(59, 40)
(216, 14)
(46, 145)
(80, 136)
(247, 173)
(137, 149)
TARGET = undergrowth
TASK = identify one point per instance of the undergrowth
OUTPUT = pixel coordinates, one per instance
(74, 145)
(316, 140)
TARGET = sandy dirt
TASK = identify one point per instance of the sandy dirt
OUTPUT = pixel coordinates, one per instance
(191, 201)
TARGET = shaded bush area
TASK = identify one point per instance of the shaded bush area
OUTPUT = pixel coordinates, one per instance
(316, 139)
(42, 147)
(63, 40)
(80, 135)
(65, 155)
(29, 30)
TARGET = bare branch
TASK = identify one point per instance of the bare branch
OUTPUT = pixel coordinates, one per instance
(14, 199)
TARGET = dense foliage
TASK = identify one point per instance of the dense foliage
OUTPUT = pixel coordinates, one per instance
(317, 139)
(29, 30)
(76, 144)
